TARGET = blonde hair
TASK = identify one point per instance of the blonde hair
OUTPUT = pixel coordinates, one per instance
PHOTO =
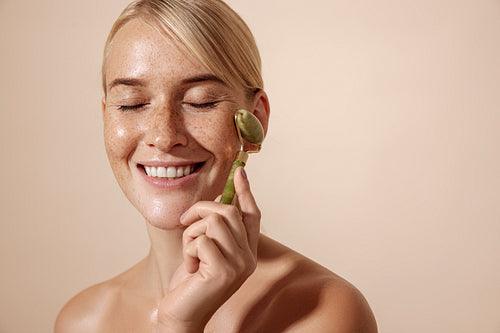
(209, 29)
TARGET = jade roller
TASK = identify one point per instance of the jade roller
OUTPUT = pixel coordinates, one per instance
(250, 130)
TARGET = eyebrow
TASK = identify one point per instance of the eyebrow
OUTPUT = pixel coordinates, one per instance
(141, 83)
(127, 82)
(202, 78)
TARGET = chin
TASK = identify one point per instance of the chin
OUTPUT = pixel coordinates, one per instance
(163, 224)
(162, 216)
(163, 209)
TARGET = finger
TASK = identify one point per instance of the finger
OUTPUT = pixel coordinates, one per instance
(190, 256)
(202, 209)
(217, 230)
(191, 262)
(236, 203)
(203, 250)
(230, 214)
(249, 209)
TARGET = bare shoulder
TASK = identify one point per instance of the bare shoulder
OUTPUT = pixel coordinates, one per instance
(85, 311)
(341, 308)
(91, 309)
(303, 296)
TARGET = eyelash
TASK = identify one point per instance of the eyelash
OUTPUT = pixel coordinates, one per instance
(130, 107)
(208, 105)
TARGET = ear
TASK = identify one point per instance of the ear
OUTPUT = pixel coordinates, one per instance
(103, 106)
(260, 108)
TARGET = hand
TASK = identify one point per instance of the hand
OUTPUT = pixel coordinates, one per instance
(220, 253)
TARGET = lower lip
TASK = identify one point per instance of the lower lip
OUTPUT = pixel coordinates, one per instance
(166, 183)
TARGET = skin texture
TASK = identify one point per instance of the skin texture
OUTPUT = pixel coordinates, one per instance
(209, 268)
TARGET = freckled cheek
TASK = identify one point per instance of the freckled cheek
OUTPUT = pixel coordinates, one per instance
(120, 139)
(219, 137)
(230, 152)
(224, 148)
(230, 141)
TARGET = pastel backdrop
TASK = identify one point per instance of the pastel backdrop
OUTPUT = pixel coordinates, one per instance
(382, 161)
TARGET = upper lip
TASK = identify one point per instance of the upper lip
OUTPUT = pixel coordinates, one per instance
(167, 164)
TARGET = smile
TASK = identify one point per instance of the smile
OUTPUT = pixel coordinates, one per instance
(170, 172)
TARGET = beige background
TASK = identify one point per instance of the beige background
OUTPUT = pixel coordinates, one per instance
(382, 160)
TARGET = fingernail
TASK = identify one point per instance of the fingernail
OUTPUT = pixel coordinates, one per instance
(183, 214)
(244, 173)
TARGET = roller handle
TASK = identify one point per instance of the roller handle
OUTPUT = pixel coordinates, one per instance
(229, 191)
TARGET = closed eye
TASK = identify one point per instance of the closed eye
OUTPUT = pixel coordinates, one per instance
(203, 105)
(131, 107)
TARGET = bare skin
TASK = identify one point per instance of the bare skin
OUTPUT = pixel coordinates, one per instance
(286, 293)
(209, 268)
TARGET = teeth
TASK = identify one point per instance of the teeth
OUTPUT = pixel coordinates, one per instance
(161, 172)
(170, 173)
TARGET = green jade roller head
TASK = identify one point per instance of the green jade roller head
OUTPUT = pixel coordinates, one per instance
(249, 129)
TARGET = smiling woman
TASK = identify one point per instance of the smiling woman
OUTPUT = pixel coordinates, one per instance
(174, 74)
(165, 110)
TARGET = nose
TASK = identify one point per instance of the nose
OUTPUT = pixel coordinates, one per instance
(165, 129)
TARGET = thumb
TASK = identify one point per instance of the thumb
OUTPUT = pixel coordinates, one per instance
(248, 206)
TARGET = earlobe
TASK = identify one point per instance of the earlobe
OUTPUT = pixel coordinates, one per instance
(261, 109)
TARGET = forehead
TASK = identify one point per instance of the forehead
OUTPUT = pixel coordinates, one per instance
(139, 50)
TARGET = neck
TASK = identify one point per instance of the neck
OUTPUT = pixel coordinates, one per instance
(165, 255)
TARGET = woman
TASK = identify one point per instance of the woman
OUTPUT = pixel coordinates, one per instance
(174, 73)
